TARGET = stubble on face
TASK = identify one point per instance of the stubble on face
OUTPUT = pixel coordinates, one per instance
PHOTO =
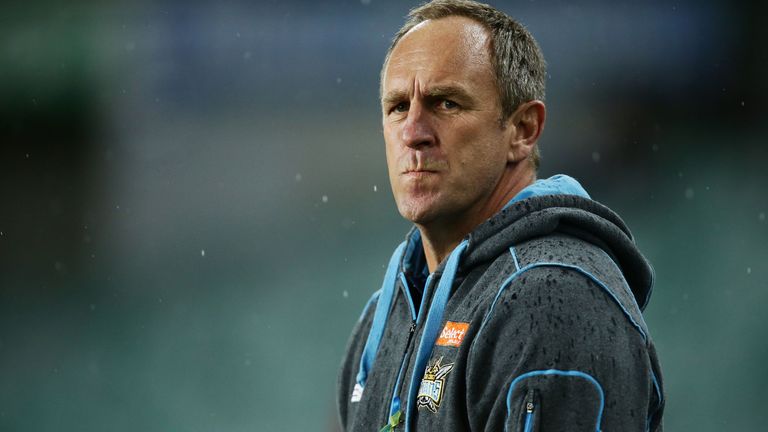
(445, 149)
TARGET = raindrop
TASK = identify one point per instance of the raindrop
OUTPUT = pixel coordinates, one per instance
(655, 147)
(325, 198)
(202, 252)
(761, 217)
(376, 188)
(298, 177)
(345, 294)
(365, 2)
(247, 55)
(689, 193)
(749, 270)
(338, 80)
(595, 157)
(742, 103)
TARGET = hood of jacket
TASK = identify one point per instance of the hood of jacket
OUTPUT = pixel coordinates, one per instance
(557, 204)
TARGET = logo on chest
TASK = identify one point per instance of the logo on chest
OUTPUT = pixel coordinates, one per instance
(452, 334)
(433, 385)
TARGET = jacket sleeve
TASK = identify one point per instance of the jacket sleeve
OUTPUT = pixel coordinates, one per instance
(557, 352)
(351, 362)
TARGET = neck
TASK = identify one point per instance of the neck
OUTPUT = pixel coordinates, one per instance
(440, 238)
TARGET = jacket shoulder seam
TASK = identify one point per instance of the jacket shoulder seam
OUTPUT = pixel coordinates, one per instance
(521, 270)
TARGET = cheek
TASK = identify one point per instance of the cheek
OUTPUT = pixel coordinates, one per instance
(391, 157)
(481, 165)
(390, 134)
(392, 170)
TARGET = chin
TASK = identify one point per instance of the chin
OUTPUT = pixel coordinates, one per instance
(420, 212)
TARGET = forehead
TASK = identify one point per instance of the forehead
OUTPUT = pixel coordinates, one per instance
(446, 50)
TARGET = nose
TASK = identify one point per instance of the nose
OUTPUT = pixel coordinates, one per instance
(417, 130)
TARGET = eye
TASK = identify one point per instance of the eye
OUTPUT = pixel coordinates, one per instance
(400, 107)
(448, 104)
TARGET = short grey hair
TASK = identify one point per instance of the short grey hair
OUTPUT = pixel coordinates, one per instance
(518, 64)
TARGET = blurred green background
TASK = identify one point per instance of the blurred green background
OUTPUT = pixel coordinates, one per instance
(195, 204)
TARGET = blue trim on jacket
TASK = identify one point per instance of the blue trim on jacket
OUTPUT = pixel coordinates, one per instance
(569, 373)
(600, 283)
(559, 184)
(433, 326)
(380, 316)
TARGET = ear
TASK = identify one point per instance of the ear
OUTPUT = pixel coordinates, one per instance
(525, 126)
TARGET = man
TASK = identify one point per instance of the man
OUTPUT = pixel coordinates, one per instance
(514, 303)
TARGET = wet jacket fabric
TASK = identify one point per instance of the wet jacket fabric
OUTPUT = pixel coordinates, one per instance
(533, 323)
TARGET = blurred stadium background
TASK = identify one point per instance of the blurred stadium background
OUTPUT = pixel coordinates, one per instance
(195, 204)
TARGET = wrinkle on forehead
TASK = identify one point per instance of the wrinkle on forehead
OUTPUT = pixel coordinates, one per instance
(463, 32)
(466, 39)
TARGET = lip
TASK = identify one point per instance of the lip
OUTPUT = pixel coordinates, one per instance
(419, 171)
(416, 174)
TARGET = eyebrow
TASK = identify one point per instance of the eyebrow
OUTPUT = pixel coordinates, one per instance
(393, 96)
(447, 91)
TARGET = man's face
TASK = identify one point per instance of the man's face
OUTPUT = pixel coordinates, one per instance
(446, 148)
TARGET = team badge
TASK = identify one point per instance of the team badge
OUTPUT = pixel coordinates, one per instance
(431, 389)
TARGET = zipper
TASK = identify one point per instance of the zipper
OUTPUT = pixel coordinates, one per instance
(395, 410)
(529, 412)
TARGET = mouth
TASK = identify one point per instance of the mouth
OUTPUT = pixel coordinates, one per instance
(418, 173)
(417, 166)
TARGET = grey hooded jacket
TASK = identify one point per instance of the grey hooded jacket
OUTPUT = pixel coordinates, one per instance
(533, 323)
